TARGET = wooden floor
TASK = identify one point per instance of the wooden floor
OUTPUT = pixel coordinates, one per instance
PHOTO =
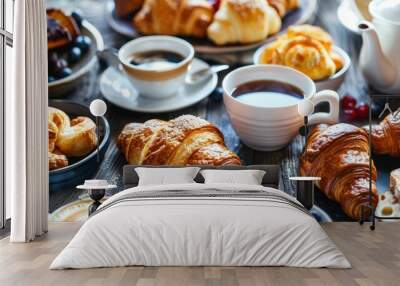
(375, 257)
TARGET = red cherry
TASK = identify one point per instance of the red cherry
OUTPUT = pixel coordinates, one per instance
(362, 110)
(349, 114)
(348, 102)
(216, 4)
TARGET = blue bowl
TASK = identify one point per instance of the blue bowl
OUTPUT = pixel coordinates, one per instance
(82, 168)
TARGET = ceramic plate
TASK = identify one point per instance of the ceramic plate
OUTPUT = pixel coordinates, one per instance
(302, 15)
(117, 89)
(348, 17)
(73, 212)
(87, 63)
(333, 82)
(81, 168)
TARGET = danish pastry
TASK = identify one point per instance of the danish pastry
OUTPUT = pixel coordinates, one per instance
(68, 138)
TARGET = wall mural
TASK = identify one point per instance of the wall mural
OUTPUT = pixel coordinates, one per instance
(186, 101)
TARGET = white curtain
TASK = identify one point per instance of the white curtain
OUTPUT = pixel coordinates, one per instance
(26, 123)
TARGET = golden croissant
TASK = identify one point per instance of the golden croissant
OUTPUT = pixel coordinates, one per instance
(243, 21)
(339, 154)
(68, 138)
(186, 140)
(305, 48)
(174, 17)
(385, 137)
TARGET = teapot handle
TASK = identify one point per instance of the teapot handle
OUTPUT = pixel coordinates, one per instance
(330, 117)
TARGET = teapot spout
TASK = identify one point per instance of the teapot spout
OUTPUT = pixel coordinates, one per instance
(377, 69)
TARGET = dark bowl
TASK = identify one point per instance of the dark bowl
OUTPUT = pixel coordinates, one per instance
(81, 168)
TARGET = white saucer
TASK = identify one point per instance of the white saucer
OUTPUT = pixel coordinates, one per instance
(348, 17)
(118, 89)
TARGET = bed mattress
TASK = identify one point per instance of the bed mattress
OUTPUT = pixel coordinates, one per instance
(201, 225)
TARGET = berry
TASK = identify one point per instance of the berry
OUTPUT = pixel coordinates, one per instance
(51, 78)
(216, 4)
(74, 54)
(77, 18)
(349, 102)
(362, 110)
(64, 72)
(349, 114)
(52, 62)
(83, 42)
(61, 63)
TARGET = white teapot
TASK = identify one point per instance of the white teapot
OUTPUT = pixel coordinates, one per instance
(380, 53)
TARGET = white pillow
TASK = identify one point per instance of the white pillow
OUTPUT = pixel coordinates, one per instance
(248, 177)
(164, 176)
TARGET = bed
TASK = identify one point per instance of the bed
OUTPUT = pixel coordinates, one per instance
(197, 224)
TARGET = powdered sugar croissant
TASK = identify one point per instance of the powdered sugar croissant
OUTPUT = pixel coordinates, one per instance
(385, 136)
(186, 140)
(339, 154)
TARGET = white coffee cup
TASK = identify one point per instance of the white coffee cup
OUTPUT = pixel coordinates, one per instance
(160, 82)
(272, 128)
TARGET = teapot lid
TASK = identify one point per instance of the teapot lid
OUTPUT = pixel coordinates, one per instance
(386, 9)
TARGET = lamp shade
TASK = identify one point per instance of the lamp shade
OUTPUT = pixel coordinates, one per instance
(98, 107)
(305, 107)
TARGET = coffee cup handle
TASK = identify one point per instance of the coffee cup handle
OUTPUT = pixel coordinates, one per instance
(330, 117)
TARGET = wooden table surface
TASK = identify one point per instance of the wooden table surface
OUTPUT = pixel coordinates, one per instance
(111, 167)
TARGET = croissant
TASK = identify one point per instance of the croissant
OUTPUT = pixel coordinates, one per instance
(315, 32)
(243, 21)
(339, 154)
(318, 34)
(284, 6)
(385, 137)
(124, 8)
(306, 48)
(186, 140)
(174, 17)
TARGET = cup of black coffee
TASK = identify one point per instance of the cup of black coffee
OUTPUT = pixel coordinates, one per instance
(156, 65)
(262, 103)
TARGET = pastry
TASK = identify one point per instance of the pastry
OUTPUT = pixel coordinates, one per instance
(61, 29)
(174, 17)
(284, 6)
(186, 140)
(305, 48)
(124, 8)
(243, 22)
(57, 160)
(385, 137)
(339, 154)
(389, 201)
(79, 138)
(68, 138)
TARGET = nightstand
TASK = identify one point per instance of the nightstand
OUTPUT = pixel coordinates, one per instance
(305, 190)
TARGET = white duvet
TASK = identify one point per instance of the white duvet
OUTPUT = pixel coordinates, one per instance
(203, 231)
